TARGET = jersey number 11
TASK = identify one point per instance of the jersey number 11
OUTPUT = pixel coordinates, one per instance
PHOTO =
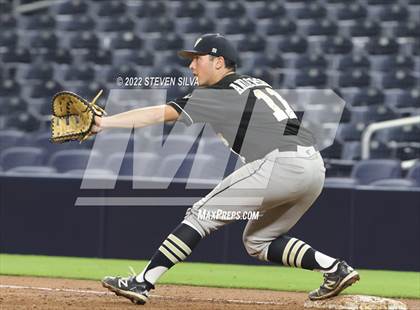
(267, 95)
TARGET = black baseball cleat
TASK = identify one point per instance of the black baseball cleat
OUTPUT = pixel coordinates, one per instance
(335, 282)
(137, 292)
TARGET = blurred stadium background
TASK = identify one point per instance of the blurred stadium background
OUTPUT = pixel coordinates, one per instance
(367, 51)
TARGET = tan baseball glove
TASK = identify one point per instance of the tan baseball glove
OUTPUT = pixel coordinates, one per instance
(73, 117)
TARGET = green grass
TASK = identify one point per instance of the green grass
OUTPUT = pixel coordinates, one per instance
(379, 283)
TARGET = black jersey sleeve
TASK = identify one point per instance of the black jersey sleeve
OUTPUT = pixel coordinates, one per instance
(179, 105)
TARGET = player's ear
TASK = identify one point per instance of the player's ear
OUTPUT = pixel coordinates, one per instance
(220, 62)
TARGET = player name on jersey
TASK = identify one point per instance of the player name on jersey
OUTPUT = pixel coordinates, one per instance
(241, 85)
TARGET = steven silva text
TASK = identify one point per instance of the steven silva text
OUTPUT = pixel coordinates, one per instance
(159, 81)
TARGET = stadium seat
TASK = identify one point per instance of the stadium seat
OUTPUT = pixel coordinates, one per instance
(263, 73)
(353, 61)
(201, 25)
(282, 26)
(367, 97)
(9, 105)
(190, 9)
(367, 28)
(40, 71)
(230, 9)
(21, 156)
(352, 11)
(293, 44)
(312, 60)
(351, 151)
(367, 171)
(273, 10)
(410, 29)
(325, 27)
(8, 38)
(311, 77)
(393, 183)
(399, 78)
(408, 152)
(395, 12)
(85, 73)
(151, 8)
(159, 25)
(81, 23)
(73, 7)
(44, 39)
(254, 43)
(383, 46)
(409, 98)
(65, 160)
(337, 45)
(240, 26)
(376, 113)
(396, 62)
(19, 55)
(170, 42)
(59, 56)
(99, 57)
(312, 10)
(354, 78)
(112, 8)
(39, 22)
(350, 132)
(31, 170)
(9, 88)
(7, 21)
(45, 89)
(380, 150)
(10, 138)
(119, 24)
(174, 59)
(380, 2)
(128, 40)
(84, 40)
(271, 60)
(22, 121)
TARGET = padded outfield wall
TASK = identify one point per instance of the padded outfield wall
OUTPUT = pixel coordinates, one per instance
(370, 228)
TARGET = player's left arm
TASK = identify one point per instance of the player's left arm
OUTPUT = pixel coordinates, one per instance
(137, 118)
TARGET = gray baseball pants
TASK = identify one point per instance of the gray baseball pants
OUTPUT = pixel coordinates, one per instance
(281, 186)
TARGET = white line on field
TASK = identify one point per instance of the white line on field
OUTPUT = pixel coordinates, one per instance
(233, 301)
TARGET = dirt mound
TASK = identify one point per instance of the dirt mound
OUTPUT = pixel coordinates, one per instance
(45, 293)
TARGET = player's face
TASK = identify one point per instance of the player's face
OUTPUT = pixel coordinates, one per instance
(203, 67)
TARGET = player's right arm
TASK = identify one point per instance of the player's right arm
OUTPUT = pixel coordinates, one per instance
(137, 118)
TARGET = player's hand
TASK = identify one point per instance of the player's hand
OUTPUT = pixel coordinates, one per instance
(96, 128)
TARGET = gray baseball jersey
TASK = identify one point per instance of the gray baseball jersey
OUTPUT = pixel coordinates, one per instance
(248, 113)
(284, 173)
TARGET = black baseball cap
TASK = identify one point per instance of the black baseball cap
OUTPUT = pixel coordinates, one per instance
(213, 44)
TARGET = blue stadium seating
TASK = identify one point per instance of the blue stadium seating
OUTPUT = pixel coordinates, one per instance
(366, 50)
(21, 156)
(393, 183)
(352, 11)
(190, 9)
(20, 55)
(65, 160)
